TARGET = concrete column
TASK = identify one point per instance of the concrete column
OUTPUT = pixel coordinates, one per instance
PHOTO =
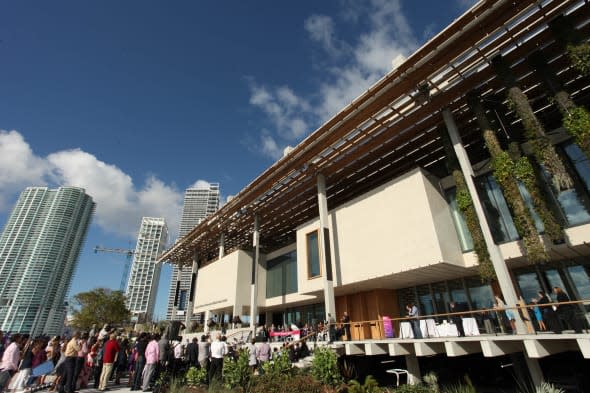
(207, 317)
(174, 315)
(254, 281)
(413, 367)
(221, 245)
(534, 370)
(502, 273)
(191, 293)
(325, 253)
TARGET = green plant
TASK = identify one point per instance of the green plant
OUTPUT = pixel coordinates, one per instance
(418, 388)
(431, 379)
(297, 383)
(178, 385)
(279, 366)
(465, 205)
(324, 367)
(577, 123)
(580, 57)
(369, 386)
(196, 376)
(544, 387)
(237, 373)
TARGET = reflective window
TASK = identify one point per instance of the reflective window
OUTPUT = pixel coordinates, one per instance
(459, 221)
(426, 305)
(496, 210)
(441, 297)
(481, 294)
(554, 279)
(182, 300)
(580, 279)
(313, 255)
(529, 285)
(458, 293)
(281, 275)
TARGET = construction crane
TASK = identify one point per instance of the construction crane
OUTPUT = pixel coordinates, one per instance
(129, 255)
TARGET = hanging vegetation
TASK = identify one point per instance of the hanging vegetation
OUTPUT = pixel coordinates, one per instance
(576, 120)
(524, 171)
(503, 167)
(465, 204)
(543, 150)
(580, 57)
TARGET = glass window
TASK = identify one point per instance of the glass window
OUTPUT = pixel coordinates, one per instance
(458, 293)
(528, 201)
(281, 275)
(182, 300)
(529, 285)
(554, 279)
(441, 297)
(426, 305)
(496, 210)
(313, 255)
(459, 221)
(481, 294)
(579, 276)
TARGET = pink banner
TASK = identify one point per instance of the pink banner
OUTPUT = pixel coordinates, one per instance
(291, 333)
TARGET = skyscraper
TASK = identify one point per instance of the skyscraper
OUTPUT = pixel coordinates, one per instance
(142, 286)
(39, 250)
(199, 202)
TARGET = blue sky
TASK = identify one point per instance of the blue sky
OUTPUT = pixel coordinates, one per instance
(137, 100)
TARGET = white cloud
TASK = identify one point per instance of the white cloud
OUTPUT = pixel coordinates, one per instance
(120, 203)
(201, 185)
(349, 69)
(19, 167)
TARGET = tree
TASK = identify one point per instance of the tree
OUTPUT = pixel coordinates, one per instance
(100, 306)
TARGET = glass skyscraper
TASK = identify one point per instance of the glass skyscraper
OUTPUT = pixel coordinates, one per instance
(39, 250)
(198, 204)
(142, 286)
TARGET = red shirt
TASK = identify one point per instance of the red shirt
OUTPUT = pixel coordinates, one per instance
(110, 351)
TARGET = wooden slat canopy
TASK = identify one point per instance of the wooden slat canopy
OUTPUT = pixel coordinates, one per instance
(392, 128)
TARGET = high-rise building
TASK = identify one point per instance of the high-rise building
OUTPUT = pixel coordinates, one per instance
(142, 286)
(199, 202)
(39, 250)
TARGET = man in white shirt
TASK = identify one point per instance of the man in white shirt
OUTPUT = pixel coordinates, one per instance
(218, 351)
(10, 360)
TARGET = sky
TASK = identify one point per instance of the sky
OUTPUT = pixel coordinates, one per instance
(135, 101)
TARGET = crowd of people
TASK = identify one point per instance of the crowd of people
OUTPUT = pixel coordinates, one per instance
(92, 359)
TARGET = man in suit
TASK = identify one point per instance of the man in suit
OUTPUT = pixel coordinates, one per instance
(192, 353)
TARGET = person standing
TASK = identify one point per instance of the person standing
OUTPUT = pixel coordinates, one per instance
(152, 357)
(110, 351)
(204, 353)
(567, 312)
(72, 349)
(263, 355)
(140, 347)
(81, 358)
(192, 353)
(10, 360)
(218, 351)
(414, 314)
(346, 325)
(252, 361)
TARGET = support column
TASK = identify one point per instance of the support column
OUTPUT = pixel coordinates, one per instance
(222, 245)
(502, 273)
(413, 367)
(534, 370)
(191, 293)
(325, 253)
(206, 323)
(174, 315)
(254, 281)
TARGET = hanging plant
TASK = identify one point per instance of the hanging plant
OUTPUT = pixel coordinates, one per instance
(577, 123)
(543, 150)
(580, 57)
(503, 168)
(465, 204)
(524, 171)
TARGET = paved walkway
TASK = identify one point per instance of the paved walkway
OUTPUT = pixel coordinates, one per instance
(111, 387)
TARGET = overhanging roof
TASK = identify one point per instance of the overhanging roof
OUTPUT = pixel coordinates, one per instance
(390, 129)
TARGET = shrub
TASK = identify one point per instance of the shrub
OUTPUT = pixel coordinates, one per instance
(237, 373)
(196, 376)
(324, 367)
(279, 366)
(370, 386)
(419, 388)
(285, 384)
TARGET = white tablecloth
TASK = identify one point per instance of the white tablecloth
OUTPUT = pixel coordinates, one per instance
(428, 328)
(470, 327)
(447, 330)
(405, 330)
